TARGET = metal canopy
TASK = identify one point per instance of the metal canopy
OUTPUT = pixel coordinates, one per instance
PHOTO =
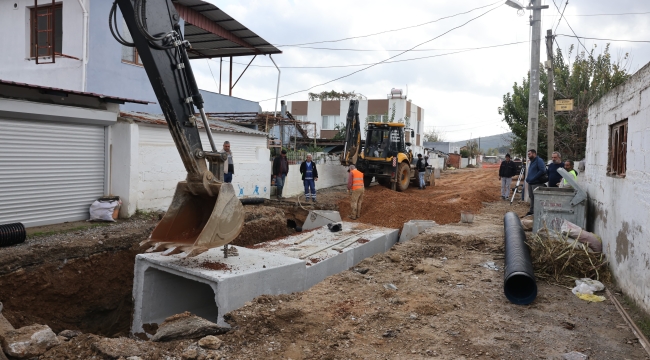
(214, 34)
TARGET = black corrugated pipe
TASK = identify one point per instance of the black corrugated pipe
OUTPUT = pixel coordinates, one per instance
(12, 234)
(519, 284)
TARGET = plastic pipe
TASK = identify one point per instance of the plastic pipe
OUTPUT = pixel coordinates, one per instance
(519, 284)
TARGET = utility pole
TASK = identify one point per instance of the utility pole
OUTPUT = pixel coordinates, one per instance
(533, 97)
(550, 94)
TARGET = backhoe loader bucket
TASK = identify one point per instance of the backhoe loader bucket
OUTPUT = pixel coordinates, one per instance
(195, 223)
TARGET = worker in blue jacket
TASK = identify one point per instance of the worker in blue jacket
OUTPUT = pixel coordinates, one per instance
(309, 176)
(537, 176)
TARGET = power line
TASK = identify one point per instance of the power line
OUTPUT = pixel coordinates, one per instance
(614, 14)
(393, 30)
(591, 38)
(388, 62)
(215, 80)
(562, 14)
(567, 22)
(394, 56)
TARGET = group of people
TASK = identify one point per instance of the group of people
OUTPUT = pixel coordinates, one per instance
(539, 174)
(308, 171)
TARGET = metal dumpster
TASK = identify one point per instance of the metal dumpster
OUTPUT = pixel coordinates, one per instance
(554, 204)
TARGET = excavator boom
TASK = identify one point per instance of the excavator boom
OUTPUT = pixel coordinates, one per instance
(352, 144)
(205, 212)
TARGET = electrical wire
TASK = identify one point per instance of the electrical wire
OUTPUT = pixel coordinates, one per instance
(592, 38)
(386, 62)
(569, 25)
(393, 30)
(213, 78)
(561, 14)
(392, 57)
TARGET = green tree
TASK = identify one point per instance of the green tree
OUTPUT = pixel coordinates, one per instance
(587, 78)
(464, 153)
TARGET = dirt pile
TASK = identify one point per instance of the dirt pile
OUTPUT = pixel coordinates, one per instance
(462, 190)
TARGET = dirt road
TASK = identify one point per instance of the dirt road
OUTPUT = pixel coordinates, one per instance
(455, 191)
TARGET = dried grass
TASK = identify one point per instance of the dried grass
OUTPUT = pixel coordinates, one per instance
(560, 261)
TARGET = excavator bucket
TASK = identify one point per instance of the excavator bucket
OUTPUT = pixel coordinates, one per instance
(196, 223)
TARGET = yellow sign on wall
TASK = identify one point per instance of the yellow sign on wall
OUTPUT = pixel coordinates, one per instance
(564, 105)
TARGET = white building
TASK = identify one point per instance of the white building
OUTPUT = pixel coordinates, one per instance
(617, 179)
(54, 152)
(328, 114)
(147, 167)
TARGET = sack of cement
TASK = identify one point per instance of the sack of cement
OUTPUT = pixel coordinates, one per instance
(574, 231)
(103, 210)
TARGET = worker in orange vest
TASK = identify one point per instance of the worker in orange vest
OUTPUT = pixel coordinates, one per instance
(355, 184)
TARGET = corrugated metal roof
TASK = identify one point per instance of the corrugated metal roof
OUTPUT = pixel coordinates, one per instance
(215, 124)
(213, 33)
(81, 93)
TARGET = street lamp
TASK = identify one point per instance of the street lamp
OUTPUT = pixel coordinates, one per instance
(533, 93)
(515, 4)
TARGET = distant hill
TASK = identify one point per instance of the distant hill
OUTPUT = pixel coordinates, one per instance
(490, 142)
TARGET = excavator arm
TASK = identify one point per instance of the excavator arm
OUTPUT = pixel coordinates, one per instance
(205, 212)
(352, 145)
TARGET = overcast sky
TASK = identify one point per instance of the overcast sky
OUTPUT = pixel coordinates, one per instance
(460, 93)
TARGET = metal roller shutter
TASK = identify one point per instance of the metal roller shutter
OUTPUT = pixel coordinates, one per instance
(49, 172)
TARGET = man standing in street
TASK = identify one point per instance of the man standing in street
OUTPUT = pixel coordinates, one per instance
(554, 178)
(421, 167)
(230, 168)
(355, 184)
(537, 176)
(309, 176)
(280, 171)
(507, 170)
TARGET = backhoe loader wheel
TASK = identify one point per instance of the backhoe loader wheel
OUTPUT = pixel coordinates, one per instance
(366, 181)
(403, 176)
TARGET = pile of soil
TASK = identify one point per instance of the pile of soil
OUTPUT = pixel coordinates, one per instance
(456, 191)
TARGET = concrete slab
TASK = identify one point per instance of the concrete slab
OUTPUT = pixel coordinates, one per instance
(413, 228)
(319, 218)
(168, 285)
(210, 285)
(370, 240)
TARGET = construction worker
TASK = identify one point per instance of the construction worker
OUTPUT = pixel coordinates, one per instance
(568, 166)
(421, 167)
(309, 176)
(280, 170)
(355, 184)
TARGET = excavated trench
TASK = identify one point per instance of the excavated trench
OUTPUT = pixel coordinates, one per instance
(92, 291)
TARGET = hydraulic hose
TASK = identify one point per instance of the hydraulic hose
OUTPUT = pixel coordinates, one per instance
(519, 284)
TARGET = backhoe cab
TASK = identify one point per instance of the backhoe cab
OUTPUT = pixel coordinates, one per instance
(385, 155)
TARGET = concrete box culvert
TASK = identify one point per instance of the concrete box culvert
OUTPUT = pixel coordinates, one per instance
(168, 285)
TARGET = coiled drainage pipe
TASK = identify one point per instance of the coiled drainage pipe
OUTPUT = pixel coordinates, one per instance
(11, 234)
(519, 284)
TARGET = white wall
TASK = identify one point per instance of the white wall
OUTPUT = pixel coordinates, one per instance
(65, 73)
(146, 166)
(124, 164)
(620, 207)
(328, 175)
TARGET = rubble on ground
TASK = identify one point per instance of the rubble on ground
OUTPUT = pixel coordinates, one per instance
(186, 326)
(29, 341)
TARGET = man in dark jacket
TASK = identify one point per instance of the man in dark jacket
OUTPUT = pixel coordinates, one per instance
(421, 167)
(309, 176)
(280, 171)
(554, 178)
(536, 176)
(507, 170)
(230, 168)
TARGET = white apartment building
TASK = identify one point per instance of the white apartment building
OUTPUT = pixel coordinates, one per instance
(327, 114)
